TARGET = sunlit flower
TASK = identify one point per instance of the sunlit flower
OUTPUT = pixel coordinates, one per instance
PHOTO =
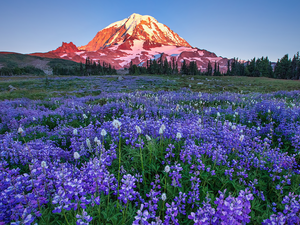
(88, 143)
(43, 164)
(167, 169)
(103, 132)
(178, 135)
(75, 132)
(138, 129)
(20, 130)
(164, 196)
(117, 124)
(162, 129)
(76, 155)
(148, 138)
(242, 138)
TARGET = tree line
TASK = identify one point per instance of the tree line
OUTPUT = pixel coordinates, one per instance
(7, 71)
(163, 66)
(285, 68)
(89, 68)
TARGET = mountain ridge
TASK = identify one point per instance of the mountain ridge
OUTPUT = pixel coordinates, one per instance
(138, 39)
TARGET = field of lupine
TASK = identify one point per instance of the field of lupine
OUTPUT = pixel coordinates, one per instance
(165, 157)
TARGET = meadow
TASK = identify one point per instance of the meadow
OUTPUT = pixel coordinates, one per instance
(149, 150)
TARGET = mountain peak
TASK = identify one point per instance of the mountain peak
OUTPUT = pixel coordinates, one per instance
(135, 27)
(67, 48)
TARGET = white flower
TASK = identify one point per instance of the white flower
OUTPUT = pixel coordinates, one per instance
(177, 107)
(98, 142)
(269, 111)
(43, 164)
(178, 135)
(117, 124)
(76, 155)
(164, 196)
(162, 129)
(33, 118)
(278, 107)
(233, 127)
(20, 130)
(230, 124)
(236, 113)
(258, 128)
(84, 116)
(88, 143)
(75, 132)
(167, 169)
(218, 114)
(138, 129)
(95, 139)
(242, 138)
(103, 132)
(148, 138)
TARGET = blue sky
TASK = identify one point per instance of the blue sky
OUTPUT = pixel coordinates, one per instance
(232, 28)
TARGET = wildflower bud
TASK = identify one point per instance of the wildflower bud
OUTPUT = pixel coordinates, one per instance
(148, 138)
(88, 143)
(75, 132)
(103, 132)
(95, 139)
(98, 142)
(178, 135)
(162, 129)
(242, 138)
(43, 164)
(167, 169)
(84, 116)
(76, 155)
(177, 107)
(117, 124)
(138, 129)
(20, 130)
(164, 197)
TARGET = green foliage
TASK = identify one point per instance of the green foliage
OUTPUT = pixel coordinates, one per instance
(6, 71)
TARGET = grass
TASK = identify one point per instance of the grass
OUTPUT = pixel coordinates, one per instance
(35, 87)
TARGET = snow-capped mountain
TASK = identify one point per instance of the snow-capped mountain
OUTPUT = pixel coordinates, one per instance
(137, 38)
(135, 27)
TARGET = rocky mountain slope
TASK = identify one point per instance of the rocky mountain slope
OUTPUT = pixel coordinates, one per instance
(138, 39)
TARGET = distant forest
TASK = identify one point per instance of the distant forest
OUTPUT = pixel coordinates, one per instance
(285, 68)
(61, 67)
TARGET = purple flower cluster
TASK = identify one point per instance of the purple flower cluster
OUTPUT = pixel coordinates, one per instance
(290, 214)
(229, 210)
